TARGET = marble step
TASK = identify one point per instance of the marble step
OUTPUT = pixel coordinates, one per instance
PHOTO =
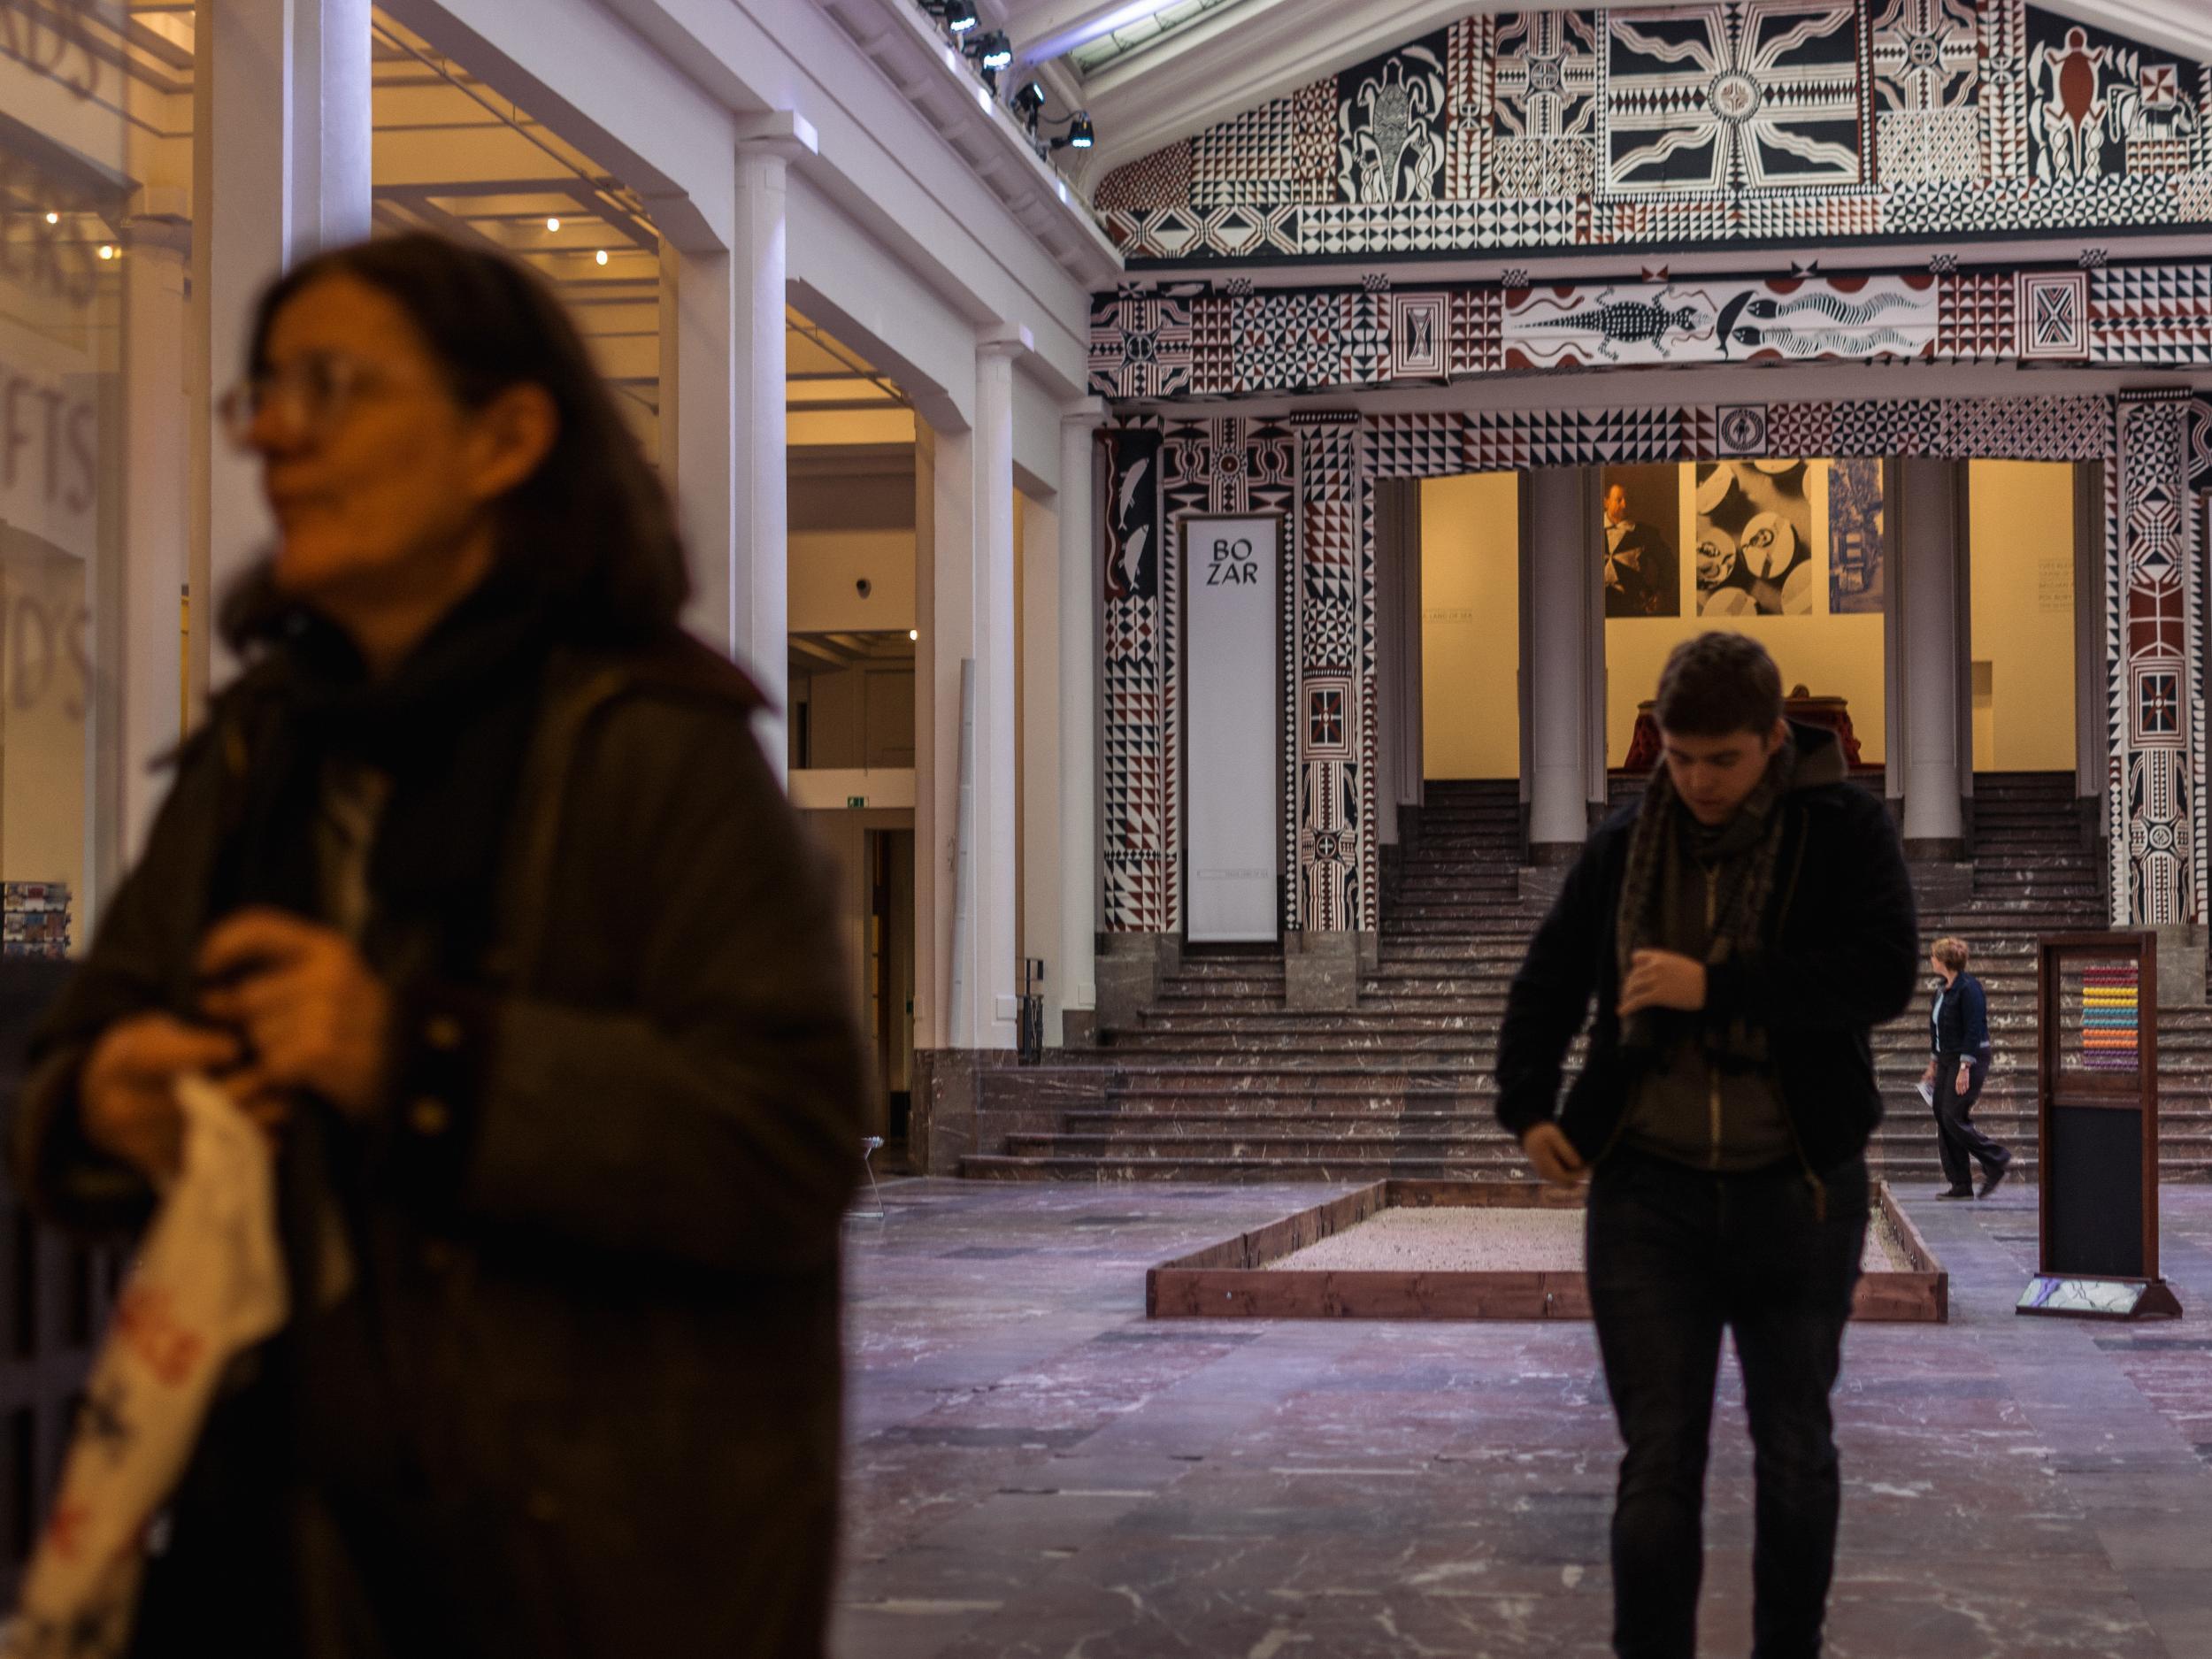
(1247, 1118)
(1506, 1166)
(1280, 1147)
(1900, 1168)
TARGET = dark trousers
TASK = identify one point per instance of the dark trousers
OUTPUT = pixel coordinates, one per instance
(1958, 1142)
(1675, 1256)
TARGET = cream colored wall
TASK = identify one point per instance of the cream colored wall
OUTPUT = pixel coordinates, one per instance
(824, 565)
(44, 682)
(1471, 627)
(1830, 656)
(2021, 519)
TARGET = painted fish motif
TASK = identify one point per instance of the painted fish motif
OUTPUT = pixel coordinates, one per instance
(1792, 342)
(1831, 305)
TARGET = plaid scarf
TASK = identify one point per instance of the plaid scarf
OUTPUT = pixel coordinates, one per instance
(1656, 854)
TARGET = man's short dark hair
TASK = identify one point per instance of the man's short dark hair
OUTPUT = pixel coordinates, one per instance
(1719, 684)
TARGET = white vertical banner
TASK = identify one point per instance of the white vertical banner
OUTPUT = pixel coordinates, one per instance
(1232, 715)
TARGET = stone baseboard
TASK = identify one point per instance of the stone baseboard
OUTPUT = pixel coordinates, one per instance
(1321, 972)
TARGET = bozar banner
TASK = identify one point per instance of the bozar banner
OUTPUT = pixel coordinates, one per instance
(1233, 711)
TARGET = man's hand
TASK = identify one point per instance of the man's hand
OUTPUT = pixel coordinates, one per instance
(313, 1015)
(127, 1094)
(1553, 1155)
(1662, 979)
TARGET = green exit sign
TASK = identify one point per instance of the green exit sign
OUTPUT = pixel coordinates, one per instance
(856, 800)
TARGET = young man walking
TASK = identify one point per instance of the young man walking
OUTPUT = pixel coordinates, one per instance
(1741, 930)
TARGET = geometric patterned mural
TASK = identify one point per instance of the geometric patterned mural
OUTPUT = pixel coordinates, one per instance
(1748, 122)
(1194, 340)
(1317, 470)
(2154, 634)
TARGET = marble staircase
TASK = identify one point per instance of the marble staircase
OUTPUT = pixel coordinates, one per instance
(1215, 1082)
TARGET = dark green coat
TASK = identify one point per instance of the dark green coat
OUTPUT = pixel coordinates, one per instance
(601, 1406)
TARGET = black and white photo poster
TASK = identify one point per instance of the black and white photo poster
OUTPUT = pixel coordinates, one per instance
(1754, 539)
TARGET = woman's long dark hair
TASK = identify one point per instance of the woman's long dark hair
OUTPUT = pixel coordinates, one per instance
(592, 528)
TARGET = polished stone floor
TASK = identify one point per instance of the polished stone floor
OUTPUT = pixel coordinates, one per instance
(1036, 1471)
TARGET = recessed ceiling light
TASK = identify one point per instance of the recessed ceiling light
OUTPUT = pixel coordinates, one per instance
(914, 634)
(52, 218)
(552, 224)
(600, 255)
(107, 250)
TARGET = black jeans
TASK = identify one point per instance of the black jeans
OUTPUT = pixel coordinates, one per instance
(1675, 1254)
(1958, 1142)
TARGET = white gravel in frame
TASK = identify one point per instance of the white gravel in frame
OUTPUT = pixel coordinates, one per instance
(1475, 1239)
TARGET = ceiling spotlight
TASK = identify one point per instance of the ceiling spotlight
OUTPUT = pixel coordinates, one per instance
(959, 15)
(600, 255)
(1028, 103)
(1080, 135)
(914, 634)
(552, 224)
(993, 50)
(53, 218)
(107, 250)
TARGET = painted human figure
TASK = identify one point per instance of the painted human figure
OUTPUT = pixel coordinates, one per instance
(1639, 568)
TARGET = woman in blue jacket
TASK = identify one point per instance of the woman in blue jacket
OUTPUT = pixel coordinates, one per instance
(1959, 1037)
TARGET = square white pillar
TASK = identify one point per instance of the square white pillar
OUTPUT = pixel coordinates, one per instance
(1078, 967)
(996, 861)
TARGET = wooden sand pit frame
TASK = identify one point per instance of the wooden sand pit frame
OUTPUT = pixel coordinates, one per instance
(1233, 1280)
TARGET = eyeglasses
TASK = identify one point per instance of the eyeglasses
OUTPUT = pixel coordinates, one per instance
(308, 398)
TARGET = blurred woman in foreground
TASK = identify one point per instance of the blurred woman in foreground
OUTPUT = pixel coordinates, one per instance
(477, 890)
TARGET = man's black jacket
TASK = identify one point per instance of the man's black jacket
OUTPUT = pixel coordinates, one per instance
(1841, 956)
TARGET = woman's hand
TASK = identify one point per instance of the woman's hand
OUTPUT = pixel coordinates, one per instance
(1966, 1077)
(312, 1015)
(1553, 1155)
(126, 1094)
(1929, 1076)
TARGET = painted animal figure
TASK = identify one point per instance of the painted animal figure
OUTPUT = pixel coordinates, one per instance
(1627, 322)
(1395, 152)
(2071, 116)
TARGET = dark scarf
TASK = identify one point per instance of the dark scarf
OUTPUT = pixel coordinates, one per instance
(1753, 836)
(449, 728)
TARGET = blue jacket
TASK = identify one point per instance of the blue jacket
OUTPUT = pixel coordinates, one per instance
(1962, 1022)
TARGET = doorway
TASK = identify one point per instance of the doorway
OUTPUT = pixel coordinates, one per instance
(887, 970)
(2022, 554)
(1471, 627)
(1791, 550)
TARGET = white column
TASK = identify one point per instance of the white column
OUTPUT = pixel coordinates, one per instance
(280, 93)
(698, 415)
(767, 146)
(944, 549)
(1933, 677)
(1078, 967)
(156, 515)
(991, 601)
(1564, 717)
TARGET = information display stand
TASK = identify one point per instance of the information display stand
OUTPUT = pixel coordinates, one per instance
(2097, 1114)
